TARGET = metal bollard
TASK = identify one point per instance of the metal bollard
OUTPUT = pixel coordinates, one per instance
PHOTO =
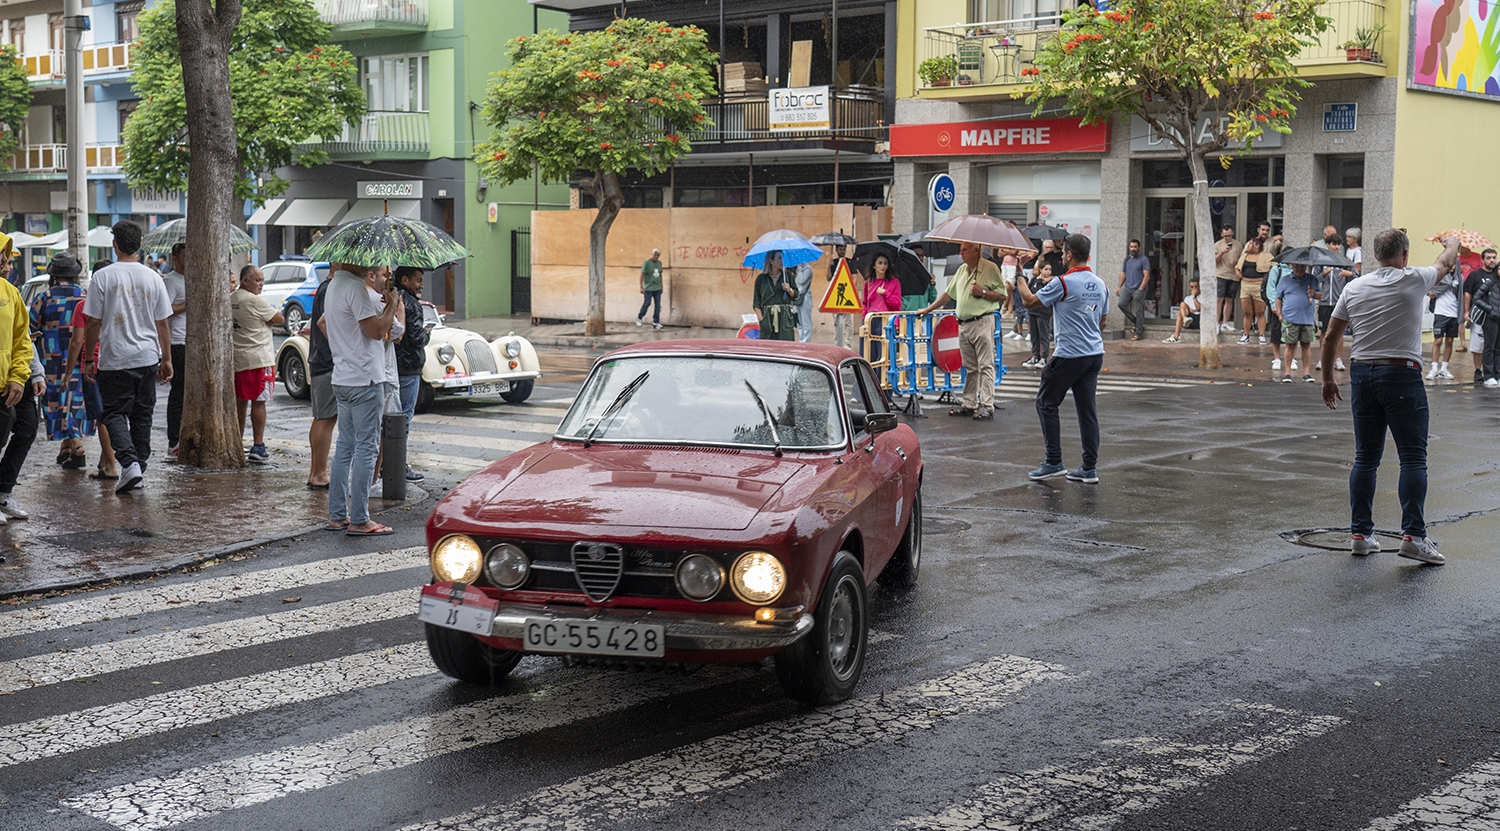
(393, 446)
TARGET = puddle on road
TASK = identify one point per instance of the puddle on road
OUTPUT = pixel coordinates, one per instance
(938, 525)
(1328, 539)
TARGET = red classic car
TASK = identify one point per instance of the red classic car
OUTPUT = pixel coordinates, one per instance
(702, 501)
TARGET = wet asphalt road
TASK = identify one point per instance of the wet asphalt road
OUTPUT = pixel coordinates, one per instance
(1144, 653)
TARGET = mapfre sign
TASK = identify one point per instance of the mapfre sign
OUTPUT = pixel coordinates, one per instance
(988, 138)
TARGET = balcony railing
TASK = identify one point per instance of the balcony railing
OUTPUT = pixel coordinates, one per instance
(104, 158)
(1350, 17)
(381, 132)
(112, 58)
(44, 66)
(854, 116)
(355, 15)
(41, 158)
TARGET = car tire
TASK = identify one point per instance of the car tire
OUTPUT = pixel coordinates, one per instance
(901, 572)
(294, 317)
(425, 397)
(465, 657)
(519, 391)
(825, 665)
(294, 375)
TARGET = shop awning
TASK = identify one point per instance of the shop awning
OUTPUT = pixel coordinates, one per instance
(99, 236)
(318, 213)
(365, 208)
(263, 214)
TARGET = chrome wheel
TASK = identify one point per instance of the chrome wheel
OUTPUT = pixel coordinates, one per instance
(843, 623)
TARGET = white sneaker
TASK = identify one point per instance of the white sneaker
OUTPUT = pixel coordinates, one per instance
(1226, 327)
(1171, 339)
(172, 453)
(1432, 373)
(9, 507)
(1244, 339)
(1293, 367)
(640, 321)
(1319, 365)
(1276, 365)
(1263, 340)
(129, 478)
(1444, 373)
(1421, 550)
(656, 326)
(1338, 364)
(1363, 546)
(1491, 383)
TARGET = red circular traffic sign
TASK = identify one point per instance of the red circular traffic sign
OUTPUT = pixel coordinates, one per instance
(750, 331)
(945, 354)
(1042, 211)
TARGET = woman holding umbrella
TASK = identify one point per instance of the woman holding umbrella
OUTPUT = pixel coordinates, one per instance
(775, 300)
(52, 320)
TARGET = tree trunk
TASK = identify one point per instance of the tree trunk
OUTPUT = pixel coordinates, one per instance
(210, 426)
(610, 198)
(1208, 285)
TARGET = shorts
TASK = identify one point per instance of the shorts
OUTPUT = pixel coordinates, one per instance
(1273, 325)
(255, 384)
(1250, 290)
(1192, 321)
(324, 405)
(1476, 339)
(1444, 326)
(93, 402)
(1324, 313)
(1298, 333)
(1228, 288)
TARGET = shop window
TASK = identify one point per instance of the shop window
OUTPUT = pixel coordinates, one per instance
(126, 15)
(1346, 172)
(1067, 179)
(725, 197)
(1253, 172)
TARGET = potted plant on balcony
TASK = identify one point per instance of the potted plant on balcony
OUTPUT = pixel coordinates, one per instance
(1362, 46)
(939, 71)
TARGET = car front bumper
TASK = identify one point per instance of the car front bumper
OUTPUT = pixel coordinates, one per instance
(684, 632)
(503, 380)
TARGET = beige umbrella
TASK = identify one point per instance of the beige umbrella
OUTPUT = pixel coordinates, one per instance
(987, 231)
(1471, 241)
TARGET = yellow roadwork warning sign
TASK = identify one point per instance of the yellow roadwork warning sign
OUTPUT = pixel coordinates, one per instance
(841, 298)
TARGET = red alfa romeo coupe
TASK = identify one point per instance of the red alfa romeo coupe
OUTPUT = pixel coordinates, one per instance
(702, 501)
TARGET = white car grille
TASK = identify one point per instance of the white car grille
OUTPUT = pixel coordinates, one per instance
(478, 357)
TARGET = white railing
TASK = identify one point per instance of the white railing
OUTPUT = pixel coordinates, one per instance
(44, 66)
(994, 52)
(114, 57)
(355, 12)
(41, 158)
(104, 158)
(381, 132)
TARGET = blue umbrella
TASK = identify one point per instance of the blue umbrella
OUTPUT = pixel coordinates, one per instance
(795, 249)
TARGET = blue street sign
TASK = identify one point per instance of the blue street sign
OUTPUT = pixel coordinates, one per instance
(1340, 118)
(942, 192)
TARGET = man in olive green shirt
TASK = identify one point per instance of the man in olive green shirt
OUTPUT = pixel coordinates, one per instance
(978, 289)
(651, 289)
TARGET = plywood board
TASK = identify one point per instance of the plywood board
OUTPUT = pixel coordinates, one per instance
(801, 63)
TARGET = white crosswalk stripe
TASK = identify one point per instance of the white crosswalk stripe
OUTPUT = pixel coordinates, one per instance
(1133, 776)
(1469, 801)
(699, 771)
(44, 616)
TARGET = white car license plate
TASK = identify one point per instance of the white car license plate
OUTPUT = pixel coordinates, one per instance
(483, 389)
(456, 606)
(593, 637)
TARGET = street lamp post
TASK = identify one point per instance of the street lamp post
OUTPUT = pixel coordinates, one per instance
(75, 23)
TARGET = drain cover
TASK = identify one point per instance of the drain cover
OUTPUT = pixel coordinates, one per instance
(112, 538)
(1328, 539)
(939, 525)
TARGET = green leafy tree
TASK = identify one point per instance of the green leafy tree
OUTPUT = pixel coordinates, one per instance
(603, 102)
(1173, 63)
(286, 85)
(15, 104)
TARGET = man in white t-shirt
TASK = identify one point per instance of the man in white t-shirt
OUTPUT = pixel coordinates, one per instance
(127, 308)
(254, 359)
(357, 329)
(177, 326)
(1384, 308)
(1353, 251)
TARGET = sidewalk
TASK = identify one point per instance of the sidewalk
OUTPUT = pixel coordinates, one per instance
(571, 334)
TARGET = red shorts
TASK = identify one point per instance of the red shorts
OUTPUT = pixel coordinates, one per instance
(255, 384)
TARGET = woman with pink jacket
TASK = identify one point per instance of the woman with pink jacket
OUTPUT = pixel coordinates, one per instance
(882, 289)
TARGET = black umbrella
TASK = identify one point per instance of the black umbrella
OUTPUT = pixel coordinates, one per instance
(914, 276)
(1313, 256)
(832, 238)
(1045, 231)
(930, 248)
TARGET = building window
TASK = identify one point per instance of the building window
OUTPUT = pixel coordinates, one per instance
(127, 110)
(15, 33)
(125, 20)
(396, 83)
(1346, 191)
(1042, 12)
(55, 32)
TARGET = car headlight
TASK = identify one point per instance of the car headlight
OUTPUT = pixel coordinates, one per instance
(445, 353)
(507, 566)
(699, 577)
(512, 349)
(757, 578)
(456, 559)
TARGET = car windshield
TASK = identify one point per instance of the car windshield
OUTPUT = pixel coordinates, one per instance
(430, 316)
(704, 400)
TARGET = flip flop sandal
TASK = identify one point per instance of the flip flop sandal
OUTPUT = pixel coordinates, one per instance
(64, 455)
(322, 487)
(336, 526)
(960, 411)
(377, 531)
(76, 461)
(101, 475)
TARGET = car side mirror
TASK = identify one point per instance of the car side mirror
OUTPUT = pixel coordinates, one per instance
(877, 423)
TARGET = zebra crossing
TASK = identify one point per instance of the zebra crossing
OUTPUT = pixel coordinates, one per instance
(360, 705)
(1021, 384)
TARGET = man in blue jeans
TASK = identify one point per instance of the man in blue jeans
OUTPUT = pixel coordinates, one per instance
(356, 327)
(411, 349)
(1384, 308)
(1135, 279)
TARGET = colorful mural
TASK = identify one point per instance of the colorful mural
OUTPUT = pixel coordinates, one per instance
(1456, 46)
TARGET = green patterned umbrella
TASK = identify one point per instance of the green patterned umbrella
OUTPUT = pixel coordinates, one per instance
(168, 234)
(387, 240)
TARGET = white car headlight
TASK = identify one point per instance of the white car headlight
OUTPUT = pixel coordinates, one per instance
(445, 353)
(699, 577)
(457, 559)
(757, 578)
(507, 566)
(512, 349)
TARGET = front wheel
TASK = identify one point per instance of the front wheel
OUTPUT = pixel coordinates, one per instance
(462, 656)
(901, 572)
(294, 317)
(519, 391)
(294, 375)
(825, 666)
(425, 396)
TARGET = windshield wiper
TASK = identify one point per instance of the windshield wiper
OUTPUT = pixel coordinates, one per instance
(615, 405)
(770, 422)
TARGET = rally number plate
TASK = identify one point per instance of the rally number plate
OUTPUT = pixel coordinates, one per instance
(594, 637)
(456, 606)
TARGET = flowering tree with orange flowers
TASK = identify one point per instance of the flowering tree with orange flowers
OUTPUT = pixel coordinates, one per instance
(1210, 76)
(629, 96)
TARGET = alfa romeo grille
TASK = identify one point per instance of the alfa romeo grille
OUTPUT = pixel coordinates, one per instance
(478, 357)
(597, 566)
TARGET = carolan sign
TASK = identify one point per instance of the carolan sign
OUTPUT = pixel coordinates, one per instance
(798, 108)
(409, 189)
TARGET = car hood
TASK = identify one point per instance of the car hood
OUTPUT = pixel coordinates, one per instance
(668, 488)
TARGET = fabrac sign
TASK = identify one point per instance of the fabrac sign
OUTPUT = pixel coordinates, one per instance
(1145, 138)
(999, 137)
(799, 108)
(411, 189)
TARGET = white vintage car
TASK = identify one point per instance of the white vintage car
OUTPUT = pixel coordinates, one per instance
(459, 363)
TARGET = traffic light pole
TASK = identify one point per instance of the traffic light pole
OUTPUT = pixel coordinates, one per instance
(75, 23)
